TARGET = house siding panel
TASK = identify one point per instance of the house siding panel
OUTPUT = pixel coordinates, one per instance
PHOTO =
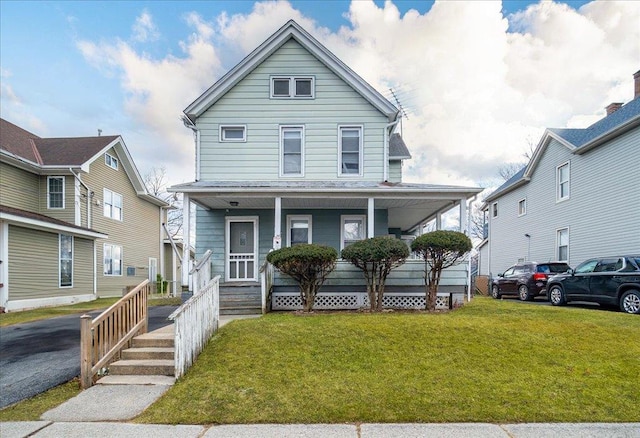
(335, 103)
(602, 213)
(19, 188)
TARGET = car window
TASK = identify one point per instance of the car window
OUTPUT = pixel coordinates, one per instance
(586, 267)
(556, 268)
(519, 270)
(608, 265)
(508, 272)
(629, 266)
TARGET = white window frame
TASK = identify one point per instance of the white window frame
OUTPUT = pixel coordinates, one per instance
(283, 129)
(292, 86)
(522, 207)
(558, 238)
(344, 218)
(559, 182)
(111, 161)
(494, 210)
(224, 139)
(49, 193)
(360, 150)
(299, 217)
(109, 194)
(111, 246)
(61, 259)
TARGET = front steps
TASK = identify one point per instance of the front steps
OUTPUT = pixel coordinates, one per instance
(240, 298)
(149, 361)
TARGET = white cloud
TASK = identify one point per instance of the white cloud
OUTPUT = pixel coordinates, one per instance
(144, 29)
(479, 87)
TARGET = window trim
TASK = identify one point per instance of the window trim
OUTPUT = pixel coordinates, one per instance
(64, 182)
(223, 139)
(282, 129)
(522, 207)
(344, 218)
(292, 83)
(494, 210)
(112, 160)
(104, 202)
(308, 218)
(104, 254)
(558, 231)
(60, 260)
(559, 183)
(360, 173)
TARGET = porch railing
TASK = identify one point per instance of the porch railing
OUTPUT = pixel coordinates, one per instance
(198, 318)
(102, 338)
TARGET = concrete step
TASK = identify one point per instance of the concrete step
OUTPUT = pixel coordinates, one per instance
(137, 380)
(154, 339)
(148, 353)
(142, 367)
(241, 310)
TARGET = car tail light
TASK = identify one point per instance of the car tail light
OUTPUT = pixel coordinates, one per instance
(539, 276)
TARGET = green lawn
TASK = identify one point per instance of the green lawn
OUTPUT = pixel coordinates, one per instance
(490, 361)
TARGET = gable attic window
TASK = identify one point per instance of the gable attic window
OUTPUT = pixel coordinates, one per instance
(233, 133)
(292, 87)
(522, 207)
(494, 209)
(111, 161)
(55, 192)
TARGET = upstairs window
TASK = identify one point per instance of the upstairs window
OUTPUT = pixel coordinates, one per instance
(292, 151)
(494, 209)
(111, 161)
(233, 133)
(292, 87)
(112, 205)
(522, 207)
(55, 192)
(350, 151)
(562, 182)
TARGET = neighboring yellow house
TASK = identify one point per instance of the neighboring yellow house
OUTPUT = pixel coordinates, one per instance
(76, 220)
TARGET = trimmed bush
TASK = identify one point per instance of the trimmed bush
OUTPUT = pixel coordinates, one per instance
(376, 257)
(440, 249)
(308, 264)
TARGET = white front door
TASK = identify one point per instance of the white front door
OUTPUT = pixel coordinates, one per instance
(241, 253)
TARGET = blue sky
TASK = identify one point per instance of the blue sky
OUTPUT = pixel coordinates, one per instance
(70, 68)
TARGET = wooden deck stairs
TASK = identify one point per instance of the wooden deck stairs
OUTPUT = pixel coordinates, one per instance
(149, 361)
(240, 298)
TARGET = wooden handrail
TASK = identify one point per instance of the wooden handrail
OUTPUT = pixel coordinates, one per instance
(102, 338)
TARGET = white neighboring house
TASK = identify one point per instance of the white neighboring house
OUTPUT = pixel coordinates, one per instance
(577, 198)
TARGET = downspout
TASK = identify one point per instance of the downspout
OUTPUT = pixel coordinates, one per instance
(89, 196)
(388, 129)
(196, 133)
(469, 235)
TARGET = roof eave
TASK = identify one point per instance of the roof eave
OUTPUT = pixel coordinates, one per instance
(609, 135)
(39, 224)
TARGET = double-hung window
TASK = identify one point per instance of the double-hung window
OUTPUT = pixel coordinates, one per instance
(66, 261)
(350, 151)
(291, 151)
(563, 182)
(111, 161)
(112, 205)
(233, 133)
(112, 259)
(562, 239)
(55, 192)
(298, 230)
(494, 209)
(292, 87)
(522, 207)
(352, 229)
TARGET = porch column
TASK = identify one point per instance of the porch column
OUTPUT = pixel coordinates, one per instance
(439, 220)
(370, 219)
(186, 238)
(463, 215)
(277, 224)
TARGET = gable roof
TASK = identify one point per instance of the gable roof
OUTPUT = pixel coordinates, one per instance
(44, 155)
(578, 141)
(291, 30)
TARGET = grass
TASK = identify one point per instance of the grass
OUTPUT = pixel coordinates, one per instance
(33, 408)
(490, 361)
(52, 312)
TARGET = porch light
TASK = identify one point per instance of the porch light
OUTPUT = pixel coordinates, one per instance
(233, 203)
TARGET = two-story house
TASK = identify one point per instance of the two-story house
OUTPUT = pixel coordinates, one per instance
(292, 146)
(577, 198)
(76, 220)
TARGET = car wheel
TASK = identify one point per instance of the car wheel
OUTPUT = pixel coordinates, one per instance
(523, 293)
(630, 302)
(556, 296)
(495, 292)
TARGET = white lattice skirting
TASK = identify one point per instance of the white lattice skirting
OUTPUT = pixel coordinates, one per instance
(356, 300)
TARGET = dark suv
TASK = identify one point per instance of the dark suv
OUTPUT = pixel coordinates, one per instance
(527, 280)
(613, 281)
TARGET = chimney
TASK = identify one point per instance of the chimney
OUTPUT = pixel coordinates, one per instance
(636, 78)
(613, 107)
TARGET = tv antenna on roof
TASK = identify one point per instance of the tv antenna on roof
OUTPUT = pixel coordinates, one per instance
(99, 132)
(403, 113)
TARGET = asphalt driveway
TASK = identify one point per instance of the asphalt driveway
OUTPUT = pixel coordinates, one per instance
(40, 355)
